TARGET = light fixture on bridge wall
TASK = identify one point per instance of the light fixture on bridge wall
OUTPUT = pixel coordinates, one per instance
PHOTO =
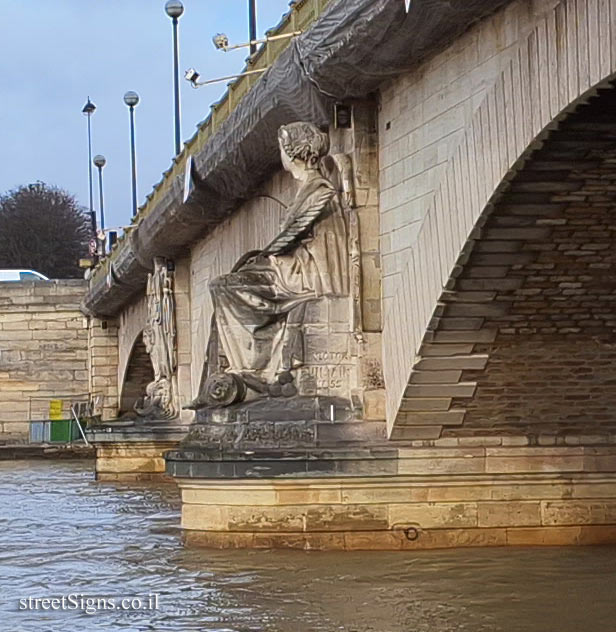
(132, 99)
(221, 42)
(343, 116)
(174, 9)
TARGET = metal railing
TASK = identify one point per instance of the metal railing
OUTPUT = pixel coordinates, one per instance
(76, 411)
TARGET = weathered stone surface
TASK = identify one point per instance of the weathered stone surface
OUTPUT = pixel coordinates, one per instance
(508, 514)
(419, 511)
(43, 352)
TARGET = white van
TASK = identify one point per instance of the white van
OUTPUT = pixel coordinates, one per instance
(22, 275)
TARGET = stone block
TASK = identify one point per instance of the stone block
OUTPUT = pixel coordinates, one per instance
(433, 515)
(204, 517)
(375, 405)
(542, 536)
(464, 362)
(222, 495)
(347, 518)
(428, 465)
(461, 389)
(443, 418)
(425, 404)
(578, 512)
(449, 350)
(415, 432)
(14, 427)
(455, 538)
(130, 464)
(307, 495)
(508, 514)
(373, 540)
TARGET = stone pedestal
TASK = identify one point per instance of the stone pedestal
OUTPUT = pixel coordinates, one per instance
(134, 452)
(491, 491)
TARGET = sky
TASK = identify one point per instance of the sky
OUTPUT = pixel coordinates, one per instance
(56, 53)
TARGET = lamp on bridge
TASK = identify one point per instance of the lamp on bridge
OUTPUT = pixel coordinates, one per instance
(174, 9)
(99, 162)
(252, 25)
(88, 109)
(132, 99)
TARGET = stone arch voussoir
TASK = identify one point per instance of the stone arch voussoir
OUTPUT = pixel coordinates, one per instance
(561, 66)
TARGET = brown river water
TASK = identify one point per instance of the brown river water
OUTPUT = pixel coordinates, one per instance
(63, 534)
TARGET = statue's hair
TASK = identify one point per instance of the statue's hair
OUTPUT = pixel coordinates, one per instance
(304, 141)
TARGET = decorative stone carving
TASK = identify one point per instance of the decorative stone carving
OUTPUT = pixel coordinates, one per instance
(256, 342)
(159, 337)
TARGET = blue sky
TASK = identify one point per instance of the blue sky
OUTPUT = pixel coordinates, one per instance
(57, 52)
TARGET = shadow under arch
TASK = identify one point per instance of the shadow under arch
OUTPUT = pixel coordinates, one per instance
(523, 338)
(138, 374)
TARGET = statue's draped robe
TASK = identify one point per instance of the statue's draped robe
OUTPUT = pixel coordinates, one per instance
(259, 309)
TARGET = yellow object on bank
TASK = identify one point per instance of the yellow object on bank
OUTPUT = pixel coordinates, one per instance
(55, 409)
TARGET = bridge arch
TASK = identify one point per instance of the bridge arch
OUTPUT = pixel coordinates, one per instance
(137, 375)
(459, 290)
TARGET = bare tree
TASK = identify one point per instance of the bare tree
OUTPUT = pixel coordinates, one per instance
(43, 228)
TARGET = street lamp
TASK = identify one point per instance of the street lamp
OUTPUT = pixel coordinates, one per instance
(174, 9)
(88, 109)
(131, 99)
(252, 22)
(99, 162)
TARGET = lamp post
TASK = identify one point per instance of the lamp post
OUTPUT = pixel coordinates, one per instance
(88, 109)
(174, 9)
(131, 99)
(99, 162)
(252, 25)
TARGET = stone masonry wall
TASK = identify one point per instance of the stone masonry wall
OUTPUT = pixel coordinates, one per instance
(423, 118)
(43, 351)
(568, 51)
(103, 366)
(552, 365)
(523, 339)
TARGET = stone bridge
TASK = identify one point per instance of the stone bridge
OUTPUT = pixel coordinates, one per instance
(463, 391)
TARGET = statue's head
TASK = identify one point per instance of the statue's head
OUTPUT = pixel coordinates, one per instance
(302, 142)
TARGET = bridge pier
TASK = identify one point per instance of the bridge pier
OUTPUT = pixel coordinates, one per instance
(133, 453)
(495, 491)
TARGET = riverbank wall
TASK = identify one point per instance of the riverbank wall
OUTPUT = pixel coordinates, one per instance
(43, 352)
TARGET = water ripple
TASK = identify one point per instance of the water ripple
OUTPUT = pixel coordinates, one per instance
(62, 533)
